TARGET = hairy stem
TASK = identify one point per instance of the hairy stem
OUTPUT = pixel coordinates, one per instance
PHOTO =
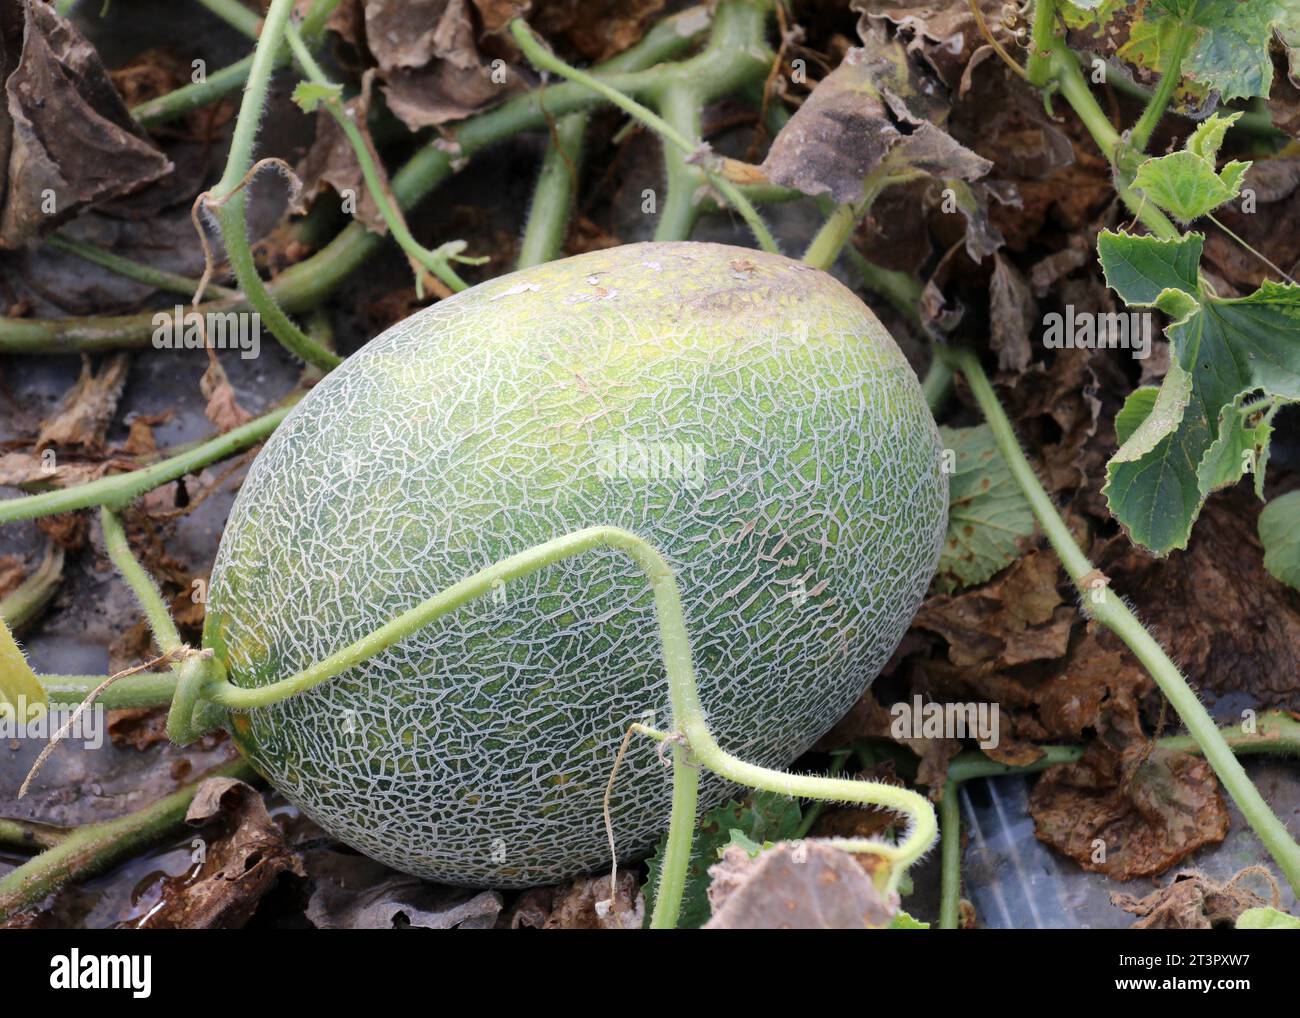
(141, 583)
(437, 262)
(553, 197)
(1156, 106)
(681, 835)
(681, 108)
(545, 60)
(147, 274)
(121, 489)
(1108, 609)
(235, 14)
(230, 200)
(688, 716)
(94, 848)
(1042, 43)
(31, 834)
(835, 233)
(148, 689)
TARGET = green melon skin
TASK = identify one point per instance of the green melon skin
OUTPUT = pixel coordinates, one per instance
(744, 413)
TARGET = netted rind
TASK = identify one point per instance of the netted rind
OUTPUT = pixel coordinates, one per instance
(745, 414)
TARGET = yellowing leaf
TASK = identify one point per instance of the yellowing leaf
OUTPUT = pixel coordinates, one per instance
(18, 683)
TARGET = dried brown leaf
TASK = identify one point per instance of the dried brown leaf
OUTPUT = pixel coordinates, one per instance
(87, 409)
(223, 407)
(62, 124)
(356, 893)
(241, 859)
(332, 161)
(1011, 315)
(1129, 815)
(430, 63)
(1192, 901)
(805, 885)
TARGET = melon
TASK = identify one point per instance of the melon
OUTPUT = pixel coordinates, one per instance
(745, 414)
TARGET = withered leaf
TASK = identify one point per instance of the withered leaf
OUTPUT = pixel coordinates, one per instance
(869, 719)
(63, 122)
(943, 31)
(1016, 619)
(1235, 627)
(873, 107)
(597, 31)
(237, 866)
(1192, 901)
(430, 64)
(583, 904)
(331, 160)
(223, 407)
(1131, 817)
(88, 407)
(1011, 315)
(355, 893)
(806, 885)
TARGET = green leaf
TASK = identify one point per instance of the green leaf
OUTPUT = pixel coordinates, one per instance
(903, 921)
(1208, 137)
(989, 520)
(1239, 449)
(1140, 269)
(1279, 533)
(310, 94)
(1230, 53)
(1135, 410)
(18, 683)
(767, 818)
(1192, 437)
(1186, 183)
(1266, 919)
(1288, 30)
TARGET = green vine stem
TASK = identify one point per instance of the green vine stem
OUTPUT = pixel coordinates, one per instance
(553, 197)
(223, 82)
(305, 284)
(236, 15)
(147, 274)
(1042, 43)
(120, 490)
(146, 591)
(30, 834)
(87, 851)
(677, 846)
(692, 148)
(682, 109)
(825, 248)
(147, 689)
(1111, 611)
(25, 602)
(1251, 121)
(438, 262)
(695, 745)
(229, 200)
(1156, 106)
(1276, 734)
